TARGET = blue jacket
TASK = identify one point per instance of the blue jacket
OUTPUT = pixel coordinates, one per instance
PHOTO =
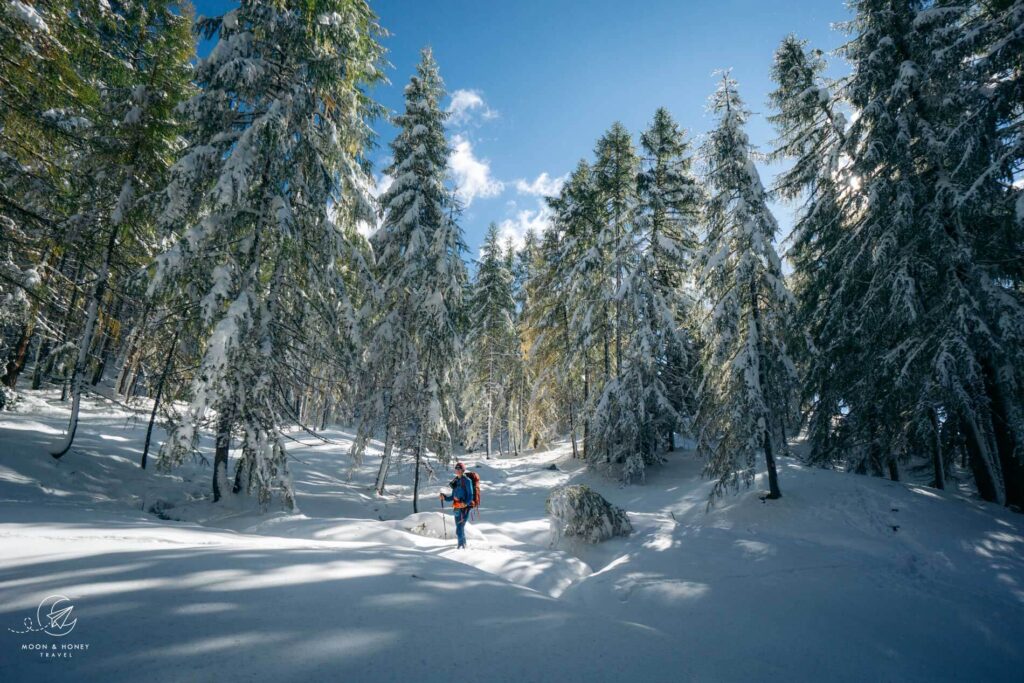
(463, 491)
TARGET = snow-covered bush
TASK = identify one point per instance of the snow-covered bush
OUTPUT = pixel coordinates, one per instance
(8, 398)
(581, 512)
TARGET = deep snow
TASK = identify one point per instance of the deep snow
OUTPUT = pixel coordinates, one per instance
(845, 578)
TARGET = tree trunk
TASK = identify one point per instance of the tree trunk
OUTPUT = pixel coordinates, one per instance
(385, 462)
(416, 477)
(20, 356)
(221, 451)
(1006, 447)
(937, 463)
(586, 398)
(168, 364)
(105, 347)
(769, 460)
(37, 370)
(489, 427)
(77, 373)
(894, 469)
(981, 462)
(66, 326)
(572, 403)
(18, 359)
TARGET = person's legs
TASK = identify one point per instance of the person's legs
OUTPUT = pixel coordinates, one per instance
(460, 525)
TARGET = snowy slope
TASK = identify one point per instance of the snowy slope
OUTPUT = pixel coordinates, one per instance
(846, 578)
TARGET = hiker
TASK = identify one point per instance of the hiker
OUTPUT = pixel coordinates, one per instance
(462, 500)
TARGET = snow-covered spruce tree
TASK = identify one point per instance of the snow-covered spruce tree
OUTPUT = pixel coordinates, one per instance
(277, 134)
(748, 377)
(491, 343)
(575, 310)
(811, 134)
(985, 148)
(920, 288)
(517, 386)
(415, 336)
(670, 200)
(38, 81)
(552, 358)
(135, 132)
(621, 425)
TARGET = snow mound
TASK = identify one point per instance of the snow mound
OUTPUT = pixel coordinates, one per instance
(579, 511)
(437, 524)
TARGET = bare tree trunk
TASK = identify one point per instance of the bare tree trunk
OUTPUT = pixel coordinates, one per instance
(66, 326)
(586, 398)
(983, 465)
(99, 289)
(937, 464)
(385, 462)
(1005, 442)
(572, 402)
(769, 461)
(416, 476)
(769, 457)
(104, 350)
(222, 450)
(489, 425)
(168, 365)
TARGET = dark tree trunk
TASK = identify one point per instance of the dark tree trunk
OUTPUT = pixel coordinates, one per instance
(18, 359)
(66, 327)
(894, 469)
(572, 403)
(168, 364)
(42, 349)
(937, 465)
(416, 478)
(769, 457)
(586, 398)
(769, 460)
(105, 348)
(220, 455)
(983, 478)
(1009, 460)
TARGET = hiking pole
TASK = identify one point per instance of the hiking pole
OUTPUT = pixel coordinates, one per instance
(444, 521)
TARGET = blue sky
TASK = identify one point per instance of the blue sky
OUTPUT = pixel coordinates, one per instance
(538, 81)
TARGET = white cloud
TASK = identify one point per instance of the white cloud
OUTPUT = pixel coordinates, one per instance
(538, 220)
(382, 184)
(542, 186)
(464, 105)
(472, 176)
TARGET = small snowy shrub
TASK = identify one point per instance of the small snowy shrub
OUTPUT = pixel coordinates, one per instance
(8, 397)
(581, 512)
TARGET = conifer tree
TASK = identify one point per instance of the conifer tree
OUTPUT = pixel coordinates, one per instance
(811, 132)
(135, 133)
(748, 377)
(938, 331)
(491, 342)
(670, 200)
(552, 353)
(277, 133)
(416, 331)
(576, 280)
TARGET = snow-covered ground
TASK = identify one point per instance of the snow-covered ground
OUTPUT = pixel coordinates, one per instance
(845, 578)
